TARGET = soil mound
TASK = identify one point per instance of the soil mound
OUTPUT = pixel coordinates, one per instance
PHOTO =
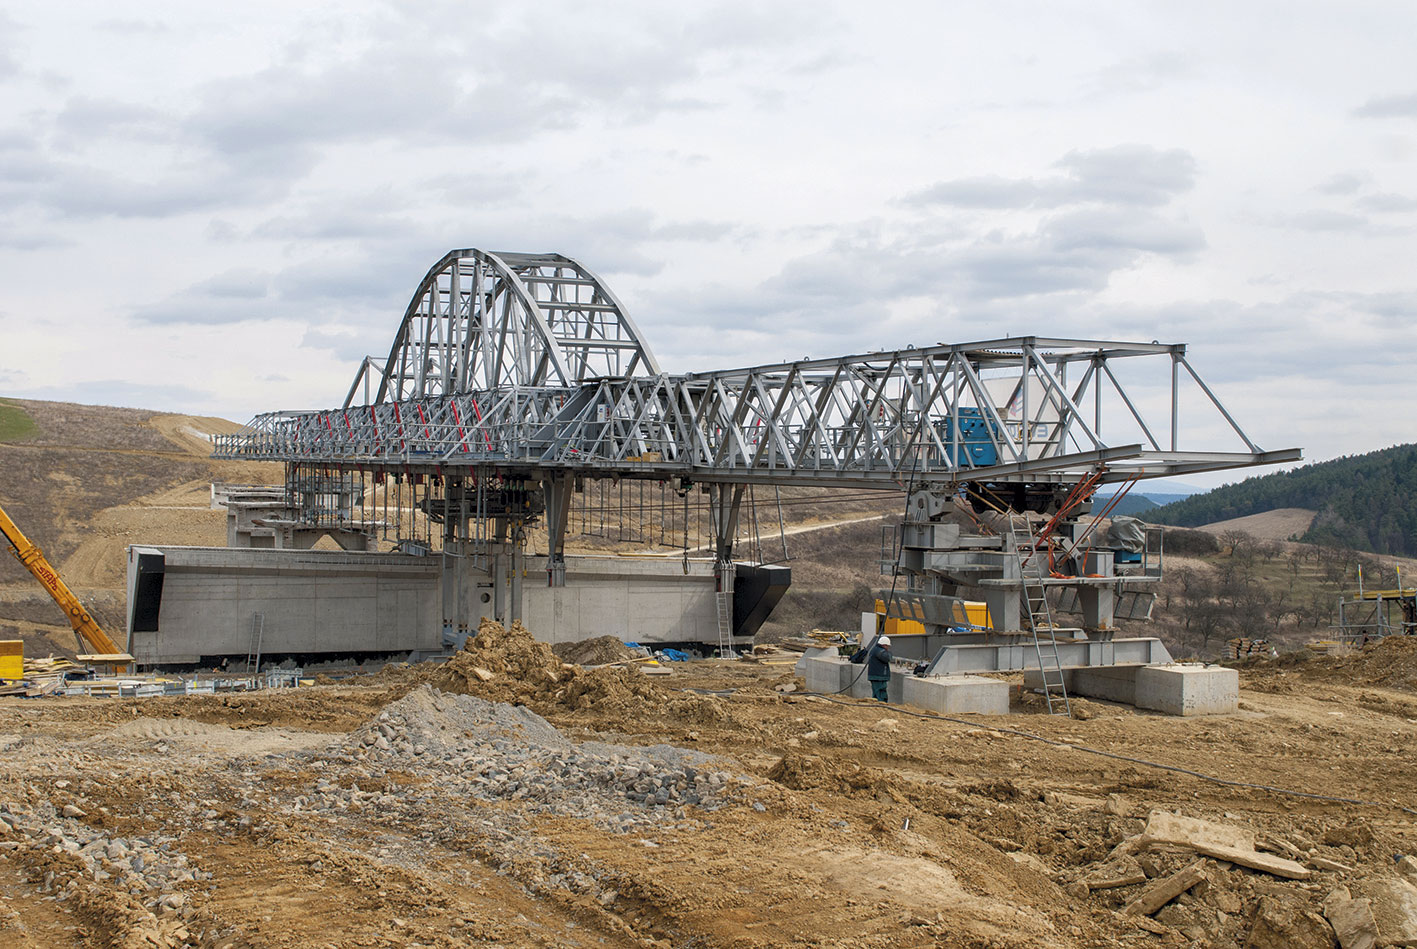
(617, 691)
(593, 652)
(1389, 662)
(812, 773)
(507, 664)
(502, 664)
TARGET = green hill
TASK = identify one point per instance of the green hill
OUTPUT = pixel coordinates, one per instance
(1132, 504)
(1366, 502)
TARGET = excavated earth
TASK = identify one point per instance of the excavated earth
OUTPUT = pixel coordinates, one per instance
(505, 798)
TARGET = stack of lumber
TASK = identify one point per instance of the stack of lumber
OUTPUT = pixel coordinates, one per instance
(42, 676)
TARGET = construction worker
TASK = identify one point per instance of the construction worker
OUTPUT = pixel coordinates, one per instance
(878, 666)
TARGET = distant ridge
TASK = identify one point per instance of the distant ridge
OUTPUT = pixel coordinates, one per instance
(1367, 502)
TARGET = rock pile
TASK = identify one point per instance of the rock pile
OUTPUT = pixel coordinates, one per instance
(90, 865)
(500, 752)
(504, 665)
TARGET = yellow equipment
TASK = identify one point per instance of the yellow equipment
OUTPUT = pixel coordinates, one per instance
(32, 557)
(976, 612)
(12, 659)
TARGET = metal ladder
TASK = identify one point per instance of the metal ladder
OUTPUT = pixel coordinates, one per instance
(724, 601)
(258, 633)
(1040, 616)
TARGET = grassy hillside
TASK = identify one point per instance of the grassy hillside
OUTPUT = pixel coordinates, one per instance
(15, 422)
(1366, 502)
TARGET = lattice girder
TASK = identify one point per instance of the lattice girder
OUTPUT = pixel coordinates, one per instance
(871, 420)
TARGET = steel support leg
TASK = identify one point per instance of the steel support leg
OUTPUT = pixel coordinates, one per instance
(518, 561)
(557, 489)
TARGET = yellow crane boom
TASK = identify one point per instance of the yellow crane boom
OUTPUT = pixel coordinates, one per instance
(85, 628)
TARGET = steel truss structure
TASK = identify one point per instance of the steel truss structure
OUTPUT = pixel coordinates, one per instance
(870, 420)
(526, 369)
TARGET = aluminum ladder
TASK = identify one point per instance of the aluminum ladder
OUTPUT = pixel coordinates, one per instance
(1040, 616)
(724, 602)
(258, 633)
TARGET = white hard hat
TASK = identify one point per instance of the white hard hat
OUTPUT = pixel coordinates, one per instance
(885, 640)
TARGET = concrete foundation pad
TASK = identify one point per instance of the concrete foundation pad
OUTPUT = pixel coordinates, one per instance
(957, 695)
(895, 691)
(837, 675)
(1188, 689)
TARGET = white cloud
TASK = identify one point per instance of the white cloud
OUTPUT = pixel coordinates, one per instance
(269, 181)
(1389, 106)
(1127, 175)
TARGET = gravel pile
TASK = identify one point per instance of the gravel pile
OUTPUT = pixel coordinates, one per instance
(141, 863)
(508, 753)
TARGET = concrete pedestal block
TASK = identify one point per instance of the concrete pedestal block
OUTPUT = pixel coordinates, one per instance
(825, 674)
(835, 675)
(895, 691)
(957, 695)
(1188, 689)
(860, 685)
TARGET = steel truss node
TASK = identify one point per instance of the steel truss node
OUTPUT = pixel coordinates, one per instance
(481, 321)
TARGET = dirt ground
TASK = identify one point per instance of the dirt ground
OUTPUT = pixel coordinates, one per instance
(274, 820)
(716, 806)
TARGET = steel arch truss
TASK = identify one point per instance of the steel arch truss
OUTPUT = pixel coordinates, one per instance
(486, 321)
(1019, 409)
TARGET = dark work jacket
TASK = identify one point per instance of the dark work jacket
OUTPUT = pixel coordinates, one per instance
(878, 662)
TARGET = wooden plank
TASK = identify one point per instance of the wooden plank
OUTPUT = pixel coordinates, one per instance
(1164, 891)
(1124, 871)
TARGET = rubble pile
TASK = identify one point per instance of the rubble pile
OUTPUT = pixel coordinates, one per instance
(136, 884)
(502, 664)
(493, 751)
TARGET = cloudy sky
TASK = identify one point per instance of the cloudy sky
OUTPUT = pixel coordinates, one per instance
(219, 209)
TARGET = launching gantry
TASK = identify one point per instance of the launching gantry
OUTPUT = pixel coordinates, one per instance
(514, 379)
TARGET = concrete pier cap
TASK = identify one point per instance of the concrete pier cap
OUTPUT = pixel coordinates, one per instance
(1175, 688)
(949, 695)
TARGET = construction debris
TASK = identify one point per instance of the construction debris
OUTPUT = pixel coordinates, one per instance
(1394, 906)
(1164, 891)
(1221, 841)
(1124, 871)
(1352, 920)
